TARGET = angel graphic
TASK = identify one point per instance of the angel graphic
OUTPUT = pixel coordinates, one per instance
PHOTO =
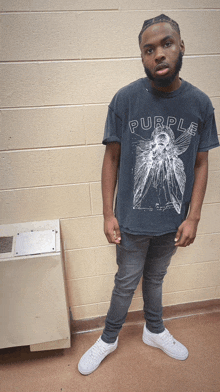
(159, 176)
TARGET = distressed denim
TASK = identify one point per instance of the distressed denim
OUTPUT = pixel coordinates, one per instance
(137, 256)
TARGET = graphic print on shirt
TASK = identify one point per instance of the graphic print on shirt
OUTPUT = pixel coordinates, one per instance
(159, 175)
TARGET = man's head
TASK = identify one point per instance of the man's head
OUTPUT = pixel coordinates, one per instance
(161, 51)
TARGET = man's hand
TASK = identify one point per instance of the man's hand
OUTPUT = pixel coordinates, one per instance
(112, 230)
(186, 233)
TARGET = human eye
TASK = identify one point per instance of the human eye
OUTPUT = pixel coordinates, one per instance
(149, 51)
(167, 44)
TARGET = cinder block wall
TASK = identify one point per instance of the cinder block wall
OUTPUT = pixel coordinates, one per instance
(61, 63)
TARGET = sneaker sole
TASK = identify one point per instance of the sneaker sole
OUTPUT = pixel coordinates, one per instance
(150, 343)
(86, 373)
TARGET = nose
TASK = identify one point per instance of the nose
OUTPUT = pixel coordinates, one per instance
(159, 55)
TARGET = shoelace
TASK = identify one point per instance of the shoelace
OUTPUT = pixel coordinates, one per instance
(168, 338)
(97, 350)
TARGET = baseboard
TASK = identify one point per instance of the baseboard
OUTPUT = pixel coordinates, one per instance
(169, 312)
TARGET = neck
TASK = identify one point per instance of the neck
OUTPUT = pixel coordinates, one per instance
(168, 89)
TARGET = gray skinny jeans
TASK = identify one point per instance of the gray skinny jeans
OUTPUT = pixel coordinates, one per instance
(139, 255)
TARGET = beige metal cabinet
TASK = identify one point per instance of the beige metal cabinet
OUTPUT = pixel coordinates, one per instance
(33, 302)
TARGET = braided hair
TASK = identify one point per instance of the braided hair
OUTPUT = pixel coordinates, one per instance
(158, 19)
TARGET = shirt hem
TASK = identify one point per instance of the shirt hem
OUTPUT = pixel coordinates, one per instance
(111, 139)
(153, 234)
(204, 149)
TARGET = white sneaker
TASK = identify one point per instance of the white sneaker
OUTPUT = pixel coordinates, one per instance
(91, 360)
(166, 342)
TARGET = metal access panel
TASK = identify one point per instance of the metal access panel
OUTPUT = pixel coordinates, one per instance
(35, 242)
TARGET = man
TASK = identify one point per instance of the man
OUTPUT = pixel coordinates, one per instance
(158, 132)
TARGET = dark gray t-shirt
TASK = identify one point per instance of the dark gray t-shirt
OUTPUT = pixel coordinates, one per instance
(160, 135)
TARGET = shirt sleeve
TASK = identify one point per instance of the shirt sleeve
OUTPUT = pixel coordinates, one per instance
(209, 136)
(113, 127)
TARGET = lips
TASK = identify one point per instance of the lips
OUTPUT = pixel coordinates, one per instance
(162, 69)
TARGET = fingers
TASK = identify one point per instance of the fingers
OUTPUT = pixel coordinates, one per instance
(117, 235)
(110, 236)
(178, 236)
(182, 239)
(113, 238)
(185, 236)
(112, 231)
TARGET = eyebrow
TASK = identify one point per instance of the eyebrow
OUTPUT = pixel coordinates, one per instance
(163, 40)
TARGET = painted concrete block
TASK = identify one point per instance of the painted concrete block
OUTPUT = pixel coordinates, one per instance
(53, 166)
(213, 188)
(214, 159)
(90, 290)
(57, 5)
(194, 276)
(96, 198)
(82, 263)
(217, 292)
(216, 105)
(39, 36)
(182, 297)
(210, 222)
(83, 232)
(85, 311)
(44, 203)
(194, 69)
(94, 122)
(163, 5)
(42, 127)
(206, 247)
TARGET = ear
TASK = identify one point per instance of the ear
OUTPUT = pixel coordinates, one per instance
(182, 47)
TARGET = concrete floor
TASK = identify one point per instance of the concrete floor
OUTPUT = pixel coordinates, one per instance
(133, 367)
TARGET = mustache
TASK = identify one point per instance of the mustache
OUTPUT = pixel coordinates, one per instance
(161, 66)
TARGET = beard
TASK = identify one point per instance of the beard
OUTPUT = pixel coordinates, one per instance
(165, 82)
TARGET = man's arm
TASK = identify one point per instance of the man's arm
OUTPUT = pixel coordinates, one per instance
(109, 180)
(186, 233)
